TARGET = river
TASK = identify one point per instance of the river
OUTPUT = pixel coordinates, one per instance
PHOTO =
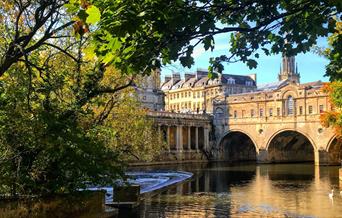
(248, 190)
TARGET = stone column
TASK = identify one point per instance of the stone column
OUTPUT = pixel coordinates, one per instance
(168, 138)
(189, 138)
(179, 141)
(206, 139)
(197, 139)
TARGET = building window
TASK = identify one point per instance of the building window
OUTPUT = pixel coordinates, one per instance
(177, 95)
(252, 113)
(289, 105)
(278, 111)
(261, 112)
(249, 83)
(231, 80)
(310, 109)
(186, 94)
(321, 109)
(182, 95)
(235, 114)
(300, 110)
(198, 94)
(271, 112)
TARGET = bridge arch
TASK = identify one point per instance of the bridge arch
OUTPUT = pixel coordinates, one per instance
(334, 150)
(290, 145)
(237, 145)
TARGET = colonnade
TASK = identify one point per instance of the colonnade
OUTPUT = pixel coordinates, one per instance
(182, 138)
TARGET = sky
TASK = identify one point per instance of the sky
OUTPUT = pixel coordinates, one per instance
(310, 65)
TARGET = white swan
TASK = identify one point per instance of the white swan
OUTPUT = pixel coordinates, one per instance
(331, 195)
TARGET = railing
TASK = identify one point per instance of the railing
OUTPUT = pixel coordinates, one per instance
(165, 114)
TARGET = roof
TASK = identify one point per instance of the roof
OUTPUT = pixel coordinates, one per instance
(239, 79)
(272, 85)
(203, 80)
(315, 84)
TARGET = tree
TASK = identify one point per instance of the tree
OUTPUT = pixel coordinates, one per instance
(334, 71)
(135, 35)
(139, 35)
(54, 133)
(334, 118)
(57, 82)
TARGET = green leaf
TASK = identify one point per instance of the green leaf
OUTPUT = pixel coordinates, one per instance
(251, 63)
(94, 15)
(71, 8)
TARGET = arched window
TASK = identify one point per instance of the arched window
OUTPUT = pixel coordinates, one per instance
(290, 105)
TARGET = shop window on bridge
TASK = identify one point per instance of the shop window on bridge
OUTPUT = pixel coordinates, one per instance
(271, 112)
(252, 112)
(310, 109)
(261, 112)
(321, 108)
(300, 110)
(290, 105)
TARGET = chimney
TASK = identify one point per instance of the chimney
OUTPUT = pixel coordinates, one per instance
(188, 76)
(167, 79)
(200, 73)
(175, 78)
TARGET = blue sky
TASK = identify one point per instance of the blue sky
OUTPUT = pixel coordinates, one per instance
(310, 65)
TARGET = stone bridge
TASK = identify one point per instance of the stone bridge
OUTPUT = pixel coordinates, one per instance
(249, 130)
(280, 139)
(187, 135)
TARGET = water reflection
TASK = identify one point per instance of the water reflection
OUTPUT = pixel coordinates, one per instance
(218, 190)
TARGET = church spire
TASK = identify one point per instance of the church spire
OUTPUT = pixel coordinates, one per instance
(289, 69)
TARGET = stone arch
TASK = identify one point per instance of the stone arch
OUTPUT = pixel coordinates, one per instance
(334, 150)
(291, 91)
(238, 145)
(290, 145)
(290, 129)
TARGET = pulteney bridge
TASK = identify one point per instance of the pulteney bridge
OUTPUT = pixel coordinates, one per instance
(281, 125)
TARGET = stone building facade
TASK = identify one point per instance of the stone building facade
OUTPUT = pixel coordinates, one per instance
(149, 93)
(279, 122)
(196, 92)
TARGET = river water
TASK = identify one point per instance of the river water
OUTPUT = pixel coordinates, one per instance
(249, 190)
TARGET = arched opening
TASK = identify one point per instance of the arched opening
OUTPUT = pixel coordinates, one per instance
(290, 146)
(238, 146)
(335, 152)
(290, 105)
